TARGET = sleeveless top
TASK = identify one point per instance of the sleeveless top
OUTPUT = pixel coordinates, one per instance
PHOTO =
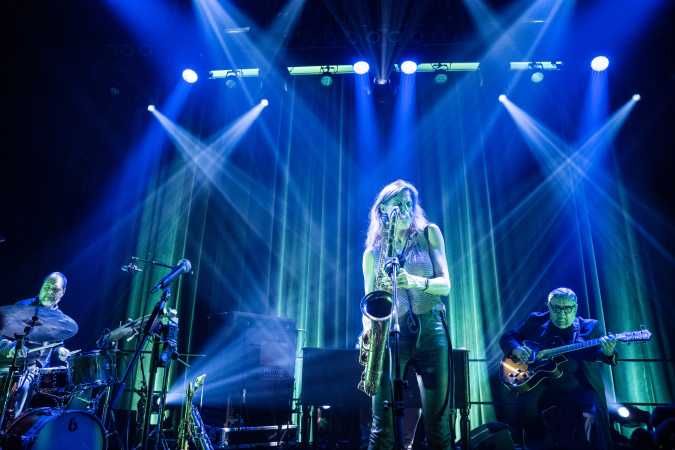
(416, 261)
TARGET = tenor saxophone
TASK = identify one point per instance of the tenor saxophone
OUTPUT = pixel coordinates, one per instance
(377, 307)
(191, 427)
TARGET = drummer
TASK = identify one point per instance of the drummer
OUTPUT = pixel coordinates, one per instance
(52, 291)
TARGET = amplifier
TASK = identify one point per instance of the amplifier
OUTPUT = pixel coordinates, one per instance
(254, 364)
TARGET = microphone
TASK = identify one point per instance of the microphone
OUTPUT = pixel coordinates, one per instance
(131, 268)
(183, 266)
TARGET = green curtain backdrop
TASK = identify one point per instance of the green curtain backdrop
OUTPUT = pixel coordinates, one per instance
(279, 229)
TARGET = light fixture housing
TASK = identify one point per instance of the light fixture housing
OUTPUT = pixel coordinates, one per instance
(231, 80)
(326, 76)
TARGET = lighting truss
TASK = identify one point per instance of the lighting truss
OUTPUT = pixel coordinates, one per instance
(340, 69)
(535, 65)
(239, 73)
(345, 69)
(445, 66)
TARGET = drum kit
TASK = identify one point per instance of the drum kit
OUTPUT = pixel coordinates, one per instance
(66, 405)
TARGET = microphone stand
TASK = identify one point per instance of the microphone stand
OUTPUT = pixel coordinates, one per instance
(147, 332)
(392, 267)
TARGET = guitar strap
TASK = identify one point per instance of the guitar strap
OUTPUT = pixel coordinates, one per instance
(575, 330)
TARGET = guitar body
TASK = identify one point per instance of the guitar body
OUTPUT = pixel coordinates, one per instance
(523, 377)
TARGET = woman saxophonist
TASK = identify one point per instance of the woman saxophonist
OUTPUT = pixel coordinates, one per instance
(424, 340)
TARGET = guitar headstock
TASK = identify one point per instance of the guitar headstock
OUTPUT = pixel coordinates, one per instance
(633, 336)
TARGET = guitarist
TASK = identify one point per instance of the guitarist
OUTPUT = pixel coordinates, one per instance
(569, 412)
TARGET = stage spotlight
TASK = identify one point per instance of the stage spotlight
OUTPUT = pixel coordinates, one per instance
(381, 81)
(502, 98)
(231, 81)
(440, 73)
(326, 80)
(326, 77)
(441, 77)
(636, 97)
(361, 67)
(190, 76)
(408, 67)
(537, 77)
(264, 102)
(629, 415)
(151, 108)
(599, 63)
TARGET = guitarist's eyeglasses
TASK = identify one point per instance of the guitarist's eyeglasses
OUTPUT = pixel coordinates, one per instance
(565, 309)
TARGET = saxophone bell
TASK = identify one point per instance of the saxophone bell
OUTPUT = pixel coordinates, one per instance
(377, 307)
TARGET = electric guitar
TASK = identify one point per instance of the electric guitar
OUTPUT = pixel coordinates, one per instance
(522, 377)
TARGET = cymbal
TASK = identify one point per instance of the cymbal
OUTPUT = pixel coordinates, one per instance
(127, 329)
(51, 325)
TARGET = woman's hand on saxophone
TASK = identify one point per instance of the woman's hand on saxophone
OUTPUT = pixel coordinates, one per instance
(404, 280)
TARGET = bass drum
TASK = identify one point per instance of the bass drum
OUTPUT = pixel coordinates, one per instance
(56, 429)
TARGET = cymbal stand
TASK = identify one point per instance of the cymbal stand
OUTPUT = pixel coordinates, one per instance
(13, 368)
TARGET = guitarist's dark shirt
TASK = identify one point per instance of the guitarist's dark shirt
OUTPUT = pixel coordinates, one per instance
(572, 375)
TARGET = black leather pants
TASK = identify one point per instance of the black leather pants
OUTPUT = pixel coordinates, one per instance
(428, 355)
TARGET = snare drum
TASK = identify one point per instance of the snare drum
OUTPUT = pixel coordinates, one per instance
(56, 429)
(91, 369)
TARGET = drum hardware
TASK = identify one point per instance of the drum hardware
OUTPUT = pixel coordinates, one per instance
(44, 347)
(29, 324)
(126, 331)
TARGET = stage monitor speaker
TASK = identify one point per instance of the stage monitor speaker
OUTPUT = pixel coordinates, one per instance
(330, 377)
(253, 362)
(491, 436)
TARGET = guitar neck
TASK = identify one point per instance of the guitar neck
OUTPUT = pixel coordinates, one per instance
(556, 351)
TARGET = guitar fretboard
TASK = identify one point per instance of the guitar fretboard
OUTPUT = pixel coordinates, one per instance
(571, 347)
(628, 336)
